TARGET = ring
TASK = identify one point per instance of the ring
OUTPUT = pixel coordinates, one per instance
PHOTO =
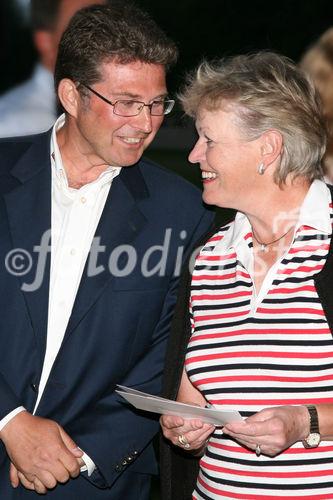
(183, 441)
(258, 450)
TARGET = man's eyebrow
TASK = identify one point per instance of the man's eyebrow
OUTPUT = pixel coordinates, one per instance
(129, 95)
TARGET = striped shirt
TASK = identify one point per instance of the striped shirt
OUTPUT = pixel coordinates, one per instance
(248, 352)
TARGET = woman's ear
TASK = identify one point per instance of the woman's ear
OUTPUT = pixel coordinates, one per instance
(69, 96)
(271, 147)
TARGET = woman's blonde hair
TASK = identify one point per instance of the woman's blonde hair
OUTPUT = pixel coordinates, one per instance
(266, 91)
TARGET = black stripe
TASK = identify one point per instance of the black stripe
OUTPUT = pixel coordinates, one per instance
(215, 267)
(255, 342)
(316, 236)
(221, 306)
(264, 390)
(246, 284)
(254, 366)
(300, 260)
(291, 300)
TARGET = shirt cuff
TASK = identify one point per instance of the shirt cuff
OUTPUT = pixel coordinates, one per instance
(10, 416)
(89, 467)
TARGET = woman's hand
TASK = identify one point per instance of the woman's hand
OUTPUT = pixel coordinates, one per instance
(271, 430)
(191, 435)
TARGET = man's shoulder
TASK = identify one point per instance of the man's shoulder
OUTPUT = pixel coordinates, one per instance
(165, 180)
(12, 149)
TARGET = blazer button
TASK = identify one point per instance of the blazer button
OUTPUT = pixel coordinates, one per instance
(34, 387)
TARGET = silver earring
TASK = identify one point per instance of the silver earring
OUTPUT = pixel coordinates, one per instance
(261, 169)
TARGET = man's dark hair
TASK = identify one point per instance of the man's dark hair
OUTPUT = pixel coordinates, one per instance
(118, 32)
(44, 14)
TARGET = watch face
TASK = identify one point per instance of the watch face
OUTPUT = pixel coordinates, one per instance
(313, 439)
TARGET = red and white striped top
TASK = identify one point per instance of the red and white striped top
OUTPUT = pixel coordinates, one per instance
(249, 352)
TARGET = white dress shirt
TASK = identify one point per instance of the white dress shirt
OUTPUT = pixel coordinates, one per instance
(75, 214)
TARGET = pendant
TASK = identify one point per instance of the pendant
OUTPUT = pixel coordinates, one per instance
(263, 247)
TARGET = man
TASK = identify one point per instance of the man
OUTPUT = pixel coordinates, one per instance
(30, 107)
(92, 239)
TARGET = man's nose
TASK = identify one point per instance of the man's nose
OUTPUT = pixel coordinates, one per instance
(143, 120)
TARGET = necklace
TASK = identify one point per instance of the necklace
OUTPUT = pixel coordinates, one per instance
(263, 246)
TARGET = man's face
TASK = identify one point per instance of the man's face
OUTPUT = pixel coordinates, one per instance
(105, 138)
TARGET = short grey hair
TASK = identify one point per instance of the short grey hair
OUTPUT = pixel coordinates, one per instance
(266, 91)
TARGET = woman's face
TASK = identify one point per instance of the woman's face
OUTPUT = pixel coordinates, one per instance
(227, 160)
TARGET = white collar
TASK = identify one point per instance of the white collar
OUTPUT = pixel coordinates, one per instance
(313, 213)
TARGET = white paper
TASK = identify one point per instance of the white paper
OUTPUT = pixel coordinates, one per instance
(163, 406)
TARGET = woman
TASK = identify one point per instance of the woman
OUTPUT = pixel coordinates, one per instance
(261, 306)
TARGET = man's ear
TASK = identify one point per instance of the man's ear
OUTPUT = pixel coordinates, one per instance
(271, 146)
(69, 96)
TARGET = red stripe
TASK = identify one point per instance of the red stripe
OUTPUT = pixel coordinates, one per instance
(222, 296)
(306, 288)
(216, 237)
(287, 310)
(289, 451)
(213, 276)
(261, 354)
(301, 269)
(216, 257)
(258, 378)
(309, 248)
(260, 402)
(220, 316)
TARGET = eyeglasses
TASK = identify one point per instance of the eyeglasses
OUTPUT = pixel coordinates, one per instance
(134, 108)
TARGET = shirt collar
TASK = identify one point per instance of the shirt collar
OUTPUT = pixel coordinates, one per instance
(57, 165)
(313, 213)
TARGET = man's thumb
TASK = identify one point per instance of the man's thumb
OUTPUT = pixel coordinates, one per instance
(70, 444)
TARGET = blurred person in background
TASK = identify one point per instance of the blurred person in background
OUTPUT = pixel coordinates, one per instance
(317, 61)
(254, 323)
(30, 107)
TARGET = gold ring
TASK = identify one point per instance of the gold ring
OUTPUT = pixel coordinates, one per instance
(183, 441)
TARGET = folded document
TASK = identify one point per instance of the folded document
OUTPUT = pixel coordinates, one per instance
(163, 406)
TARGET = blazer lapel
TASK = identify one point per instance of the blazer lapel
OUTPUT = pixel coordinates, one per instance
(29, 214)
(120, 223)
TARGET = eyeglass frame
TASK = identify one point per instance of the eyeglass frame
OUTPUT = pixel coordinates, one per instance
(143, 104)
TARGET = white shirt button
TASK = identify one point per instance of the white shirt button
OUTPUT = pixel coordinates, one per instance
(83, 199)
(73, 251)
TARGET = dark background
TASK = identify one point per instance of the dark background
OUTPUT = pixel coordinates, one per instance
(201, 28)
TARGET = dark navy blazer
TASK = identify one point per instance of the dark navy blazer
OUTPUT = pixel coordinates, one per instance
(119, 324)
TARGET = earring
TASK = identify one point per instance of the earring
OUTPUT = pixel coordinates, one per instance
(261, 169)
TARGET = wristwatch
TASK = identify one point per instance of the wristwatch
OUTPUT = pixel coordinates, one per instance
(313, 439)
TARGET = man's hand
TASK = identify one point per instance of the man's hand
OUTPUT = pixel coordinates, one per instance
(17, 477)
(41, 451)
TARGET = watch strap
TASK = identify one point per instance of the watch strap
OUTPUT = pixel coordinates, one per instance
(314, 420)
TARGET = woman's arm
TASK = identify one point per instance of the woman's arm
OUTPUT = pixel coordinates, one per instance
(194, 432)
